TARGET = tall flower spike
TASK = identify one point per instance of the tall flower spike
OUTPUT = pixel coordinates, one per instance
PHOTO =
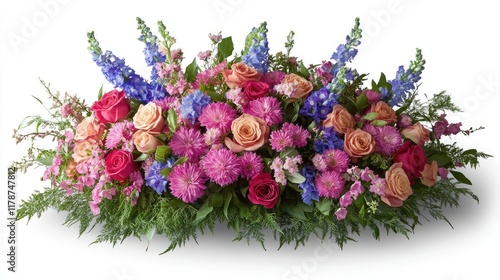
(151, 51)
(256, 52)
(406, 80)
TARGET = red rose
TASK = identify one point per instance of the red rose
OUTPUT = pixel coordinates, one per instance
(263, 190)
(254, 90)
(112, 107)
(119, 164)
(413, 159)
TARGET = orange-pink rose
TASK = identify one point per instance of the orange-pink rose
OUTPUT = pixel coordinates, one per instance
(398, 186)
(149, 118)
(145, 142)
(429, 175)
(249, 134)
(70, 170)
(89, 129)
(358, 143)
(83, 150)
(304, 87)
(416, 133)
(239, 74)
(340, 119)
(384, 112)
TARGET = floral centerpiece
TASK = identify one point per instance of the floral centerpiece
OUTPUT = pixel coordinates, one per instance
(255, 140)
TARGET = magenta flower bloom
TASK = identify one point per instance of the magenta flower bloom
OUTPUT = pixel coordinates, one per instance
(187, 182)
(251, 165)
(298, 134)
(266, 108)
(280, 140)
(336, 160)
(217, 115)
(120, 133)
(221, 166)
(188, 142)
(388, 140)
(329, 184)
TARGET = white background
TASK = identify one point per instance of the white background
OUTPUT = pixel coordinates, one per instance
(459, 41)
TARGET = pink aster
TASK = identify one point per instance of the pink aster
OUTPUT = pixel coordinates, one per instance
(273, 78)
(251, 165)
(266, 108)
(298, 134)
(222, 166)
(188, 142)
(336, 160)
(280, 140)
(217, 115)
(120, 134)
(388, 140)
(187, 182)
(329, 184)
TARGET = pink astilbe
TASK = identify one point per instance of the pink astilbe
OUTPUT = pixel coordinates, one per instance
(266, 108)
(187, 182)
(188, 142)
(217, 115)
(221, 166)
(251, 165)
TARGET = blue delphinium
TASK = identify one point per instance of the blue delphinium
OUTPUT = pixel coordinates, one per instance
(309, 191)
(122, 76)
(327, 139)
(406, 80)
(152, 55)
(257, 55)
(193, 104)
(154, 179)
(346, 52)
(318, 104)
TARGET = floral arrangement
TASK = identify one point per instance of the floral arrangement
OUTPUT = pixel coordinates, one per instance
(258, 141)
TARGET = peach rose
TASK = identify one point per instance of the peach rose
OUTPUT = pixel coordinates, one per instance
(83, 150)
(340, 119)
(304, 87)
(384, 112)
(429, 175)
(239, 74)
(249, 134)
(70, 170)
(145, 142)
(89, 129)
(398, 186)
(149, 118)
(358, 143)
(416, 133)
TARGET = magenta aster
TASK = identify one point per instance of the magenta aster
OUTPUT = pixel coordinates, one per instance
(221, 166)
(280, 140)
(388, 140)
(251, 165)
(187, 182)
(330, 184)
(217, 115)
(298, 134)
(188, 142)
(266, 108)
(336, 160)
(120, 133)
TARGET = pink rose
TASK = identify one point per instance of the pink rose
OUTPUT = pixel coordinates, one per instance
(429, 175)
(249, 134)
(358, 143)
(145, 142)
(149, 118)
(254, 90)
(120, 164)
(340, 119)
(112, 107)
(416, 133)
(384, 112)
(239, 74)
(263, 190)
(413, 159)
(83, 150)
(89, 129)
(398, 186)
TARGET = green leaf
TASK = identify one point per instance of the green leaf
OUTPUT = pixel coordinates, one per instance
(244, 191)
(224, 48)
(469, 152)
(180, 161)
(361, 103)
(204, 210)
(191, 71)
(172, 120)
(288, 152)
(324, 205)
(216, 200)
(304, 72)
(442, 159)
(162, 137)
(228, 195)
(166, 172)
(360, 201)
(99, 94)
(362, 212)
(162, 153)
(142, 157)
(47, 160)
(370, 116)
(296, 178)
(296, 211)
(37, 99)
(461, 177)
(379, 123)
(149, 235)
